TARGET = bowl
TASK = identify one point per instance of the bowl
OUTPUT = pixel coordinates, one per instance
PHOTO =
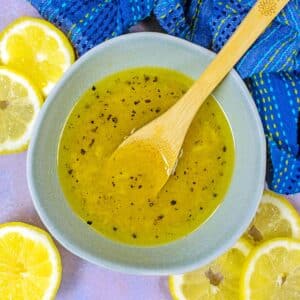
(211, 239)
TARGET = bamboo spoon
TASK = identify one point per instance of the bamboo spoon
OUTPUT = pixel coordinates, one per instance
(165, 135)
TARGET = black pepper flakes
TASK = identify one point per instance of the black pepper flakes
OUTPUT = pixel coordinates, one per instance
(115, 120)
(155, 79)
(224, 149)
(173, 202)
(93, 88)
(140, 186)
(157, 110)
(89, 222)
(136, 102)
(109, 117)
(215, 195)
(147, 100)
(146, 78)
(70, 171)
(134, 235)
(115, 228)
(82, 151)
(94, 129)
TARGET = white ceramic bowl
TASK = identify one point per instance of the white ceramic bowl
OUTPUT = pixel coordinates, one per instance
(220, 231)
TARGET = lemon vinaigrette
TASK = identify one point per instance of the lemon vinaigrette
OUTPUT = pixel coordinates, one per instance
(120, 205)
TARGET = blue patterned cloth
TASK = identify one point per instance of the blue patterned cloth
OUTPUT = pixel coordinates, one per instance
(271, 68)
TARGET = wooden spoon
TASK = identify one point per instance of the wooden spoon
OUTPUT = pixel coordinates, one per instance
(165, 135)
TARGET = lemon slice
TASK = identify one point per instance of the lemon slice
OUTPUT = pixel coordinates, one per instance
(20, 103)
(37, 49)
(30, 265)
(272, 271)
(275, 217)
(217, 280)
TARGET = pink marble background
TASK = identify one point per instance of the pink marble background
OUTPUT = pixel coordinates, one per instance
(81, 280)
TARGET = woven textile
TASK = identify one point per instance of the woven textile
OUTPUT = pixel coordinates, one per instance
(271, 68)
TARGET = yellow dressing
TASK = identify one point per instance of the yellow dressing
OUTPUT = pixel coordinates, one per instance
(113, 191)
(139, 161)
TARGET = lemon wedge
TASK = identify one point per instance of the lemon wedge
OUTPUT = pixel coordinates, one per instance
(20, 102)
(275, 217)
(30, 265)
(37, 49)
(272, 271)
(217, 280)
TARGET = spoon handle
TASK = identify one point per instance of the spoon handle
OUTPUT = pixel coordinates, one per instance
(259, 17)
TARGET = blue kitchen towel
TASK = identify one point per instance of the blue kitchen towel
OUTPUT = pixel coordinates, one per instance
(271, 68)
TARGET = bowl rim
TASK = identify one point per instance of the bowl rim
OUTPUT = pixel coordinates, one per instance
(126, 267)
